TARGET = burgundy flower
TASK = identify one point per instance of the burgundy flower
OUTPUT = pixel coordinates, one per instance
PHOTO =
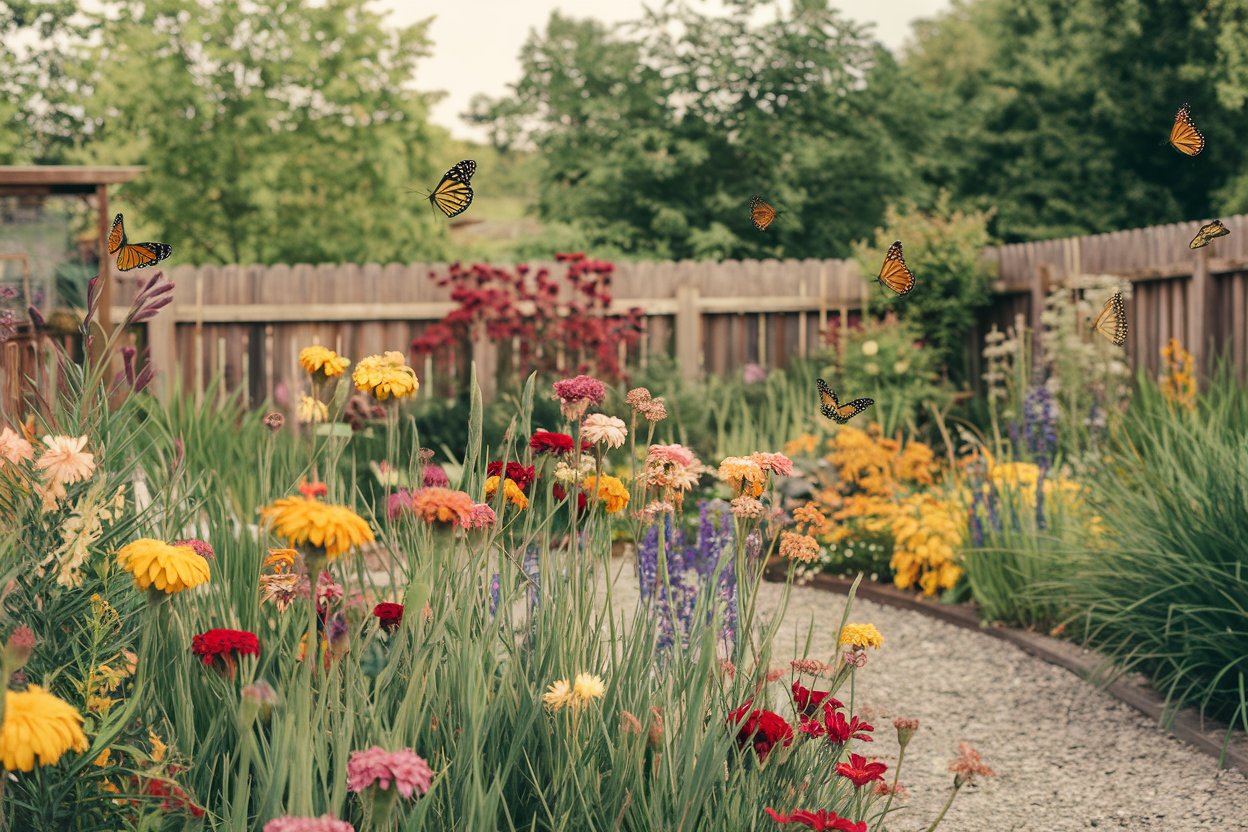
(759, 729)
(560, 494)
(174, 798)
(859, 772)
(545, 442)
(821, 821)
(521, 475)
(808, 701)
(435, 477)
(389, 615)
(200, 547)
(842, 731)
(225, 646)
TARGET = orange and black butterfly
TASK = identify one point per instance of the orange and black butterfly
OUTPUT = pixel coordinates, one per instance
(761, 213)
(895, 274)
(134, 255)
(832, 408)
(1207, 233)
(1184, 137)
(454, 193)
(1112, 322)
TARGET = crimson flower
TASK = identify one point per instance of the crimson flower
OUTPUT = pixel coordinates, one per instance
(225, 646)
(822, 820)
(808, 701)
(174, 798)
(557, 491)
(759, 729)
(521, 475)
(859, 772)
(545, 442)
(839, 730)
(389, 615)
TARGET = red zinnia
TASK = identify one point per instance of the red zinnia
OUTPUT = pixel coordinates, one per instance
(808, 701)
(859, 772)
(225, 645)
(521, 475)
(174, 797)
(822, 820)
(760, 729)
(545, 442)
(839, 730)
(389, 615)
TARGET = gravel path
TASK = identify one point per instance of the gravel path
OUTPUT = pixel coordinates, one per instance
(1067, 756)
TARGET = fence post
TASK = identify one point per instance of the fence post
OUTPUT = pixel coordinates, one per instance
(485, 354)
(162, 348)
(1199, 329)
(688, 333)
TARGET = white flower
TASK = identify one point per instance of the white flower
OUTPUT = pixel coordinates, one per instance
(870, 348)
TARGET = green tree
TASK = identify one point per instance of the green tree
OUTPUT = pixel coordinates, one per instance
(654, 137)
(1055, 112)
(272, 130)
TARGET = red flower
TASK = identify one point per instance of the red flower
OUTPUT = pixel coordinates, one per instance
(313, 489)
(225, 645)
(859, 772)
(841, 731)
(557, 491)
(760, 729)
(389, 616)
(521, 475)
(545, 442)
(824, 819)
(174, 797)
(808, 701)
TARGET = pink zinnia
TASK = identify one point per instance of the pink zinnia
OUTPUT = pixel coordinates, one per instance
(325, 823)
(577, 394)
(481, 517)
(377, 767)
(674, 454)
(200, 547)
(14, 448)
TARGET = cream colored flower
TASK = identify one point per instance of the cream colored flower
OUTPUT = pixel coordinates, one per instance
(598, 427)
(14, 448)
(312, 411)
(558, 695)
(587, 688)
(870, 348)
(65, 461)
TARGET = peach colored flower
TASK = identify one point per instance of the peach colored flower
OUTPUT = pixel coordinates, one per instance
(744, 475)
(746, 508)
(799, 547)
(65, 461)
(598, 427)
(14, 448)
(778, 464)
(441, 505)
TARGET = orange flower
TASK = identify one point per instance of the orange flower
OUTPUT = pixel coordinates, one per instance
(511, 491)
(442, 505)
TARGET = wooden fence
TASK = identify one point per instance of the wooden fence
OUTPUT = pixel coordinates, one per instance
(247, 323)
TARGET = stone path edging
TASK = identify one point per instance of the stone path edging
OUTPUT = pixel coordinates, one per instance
(1187, 725)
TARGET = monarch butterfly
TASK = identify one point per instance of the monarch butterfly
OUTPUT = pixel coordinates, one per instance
(895, 274)
(1184, 137)
(1112, 322)
(761, 214)
(134, 255)
(832, 408)
(1207, 232)
(453, 194)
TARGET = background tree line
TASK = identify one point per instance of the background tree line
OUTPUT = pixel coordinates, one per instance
(288, 130)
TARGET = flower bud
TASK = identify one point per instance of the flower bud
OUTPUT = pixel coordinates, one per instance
(274, 421)
(905, 729)
(20, 646)
(259, 698)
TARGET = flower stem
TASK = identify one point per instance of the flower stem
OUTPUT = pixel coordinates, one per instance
(879, 823)
(952, 794)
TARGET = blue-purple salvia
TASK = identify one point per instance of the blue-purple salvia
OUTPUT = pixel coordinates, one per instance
(496, 591)
(1040, 424)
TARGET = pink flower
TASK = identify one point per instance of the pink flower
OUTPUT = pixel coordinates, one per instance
(778, 464)
(674, 454)
(324, 823)
(481, 517)
(435, 477)
(747, 508)
(598, 427)
(377, 767)
(577, 394)
(13, 448)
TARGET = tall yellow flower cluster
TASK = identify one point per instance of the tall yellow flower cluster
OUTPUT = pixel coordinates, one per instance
(384, 376)
(927, 532)
(1178, 383)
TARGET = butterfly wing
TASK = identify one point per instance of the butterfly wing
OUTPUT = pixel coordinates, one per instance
(116, 235)
(761, 214)
(454, 193)
(1184, 137)
(140, 255)
(1208, 233)
(895, 274)
(1112, 322)
(832, 409)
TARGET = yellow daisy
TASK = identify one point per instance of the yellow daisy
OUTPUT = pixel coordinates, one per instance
(38, 727)
(318, 360)
(170, 569)
(861, 636)
(303, 520)
(384, 376)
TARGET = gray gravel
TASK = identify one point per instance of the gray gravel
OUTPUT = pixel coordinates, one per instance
(1067, 756)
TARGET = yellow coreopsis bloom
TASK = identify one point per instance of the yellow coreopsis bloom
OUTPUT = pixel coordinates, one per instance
(611, 491)
(386, 375)
(861, 636)
(38, 727)
(318, 360)
(558, 695)
(170, 569)
(304, 520)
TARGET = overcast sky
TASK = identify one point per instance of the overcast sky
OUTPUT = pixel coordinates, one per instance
(476, 43)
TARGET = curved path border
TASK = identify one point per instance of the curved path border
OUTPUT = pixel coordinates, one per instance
(1187, 725)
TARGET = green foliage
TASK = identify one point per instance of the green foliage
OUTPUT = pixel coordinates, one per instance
(654, 138)
(272, 132)
(1056, 113)
(942, 248)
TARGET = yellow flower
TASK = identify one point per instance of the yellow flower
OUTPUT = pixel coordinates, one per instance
(511, 492)
(870, 348)
(587, 688)
(103, 760)
(158, 745)
(861, 636)
(558, 695)
(65, 461)
(312, 411)
(804, 445)
(170, 569)
(303, 520)
(611, 491)
(320, 360)
(38, 725)
(745, 475)
(385, 375)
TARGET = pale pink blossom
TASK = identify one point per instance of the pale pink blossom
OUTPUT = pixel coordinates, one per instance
(598, 427)
(675, 454)
(481, 517)
(778, 464)
(747, 508)
(65, 461)
(14, 448)
(375, 766)
(577, 394)
(325, 823)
